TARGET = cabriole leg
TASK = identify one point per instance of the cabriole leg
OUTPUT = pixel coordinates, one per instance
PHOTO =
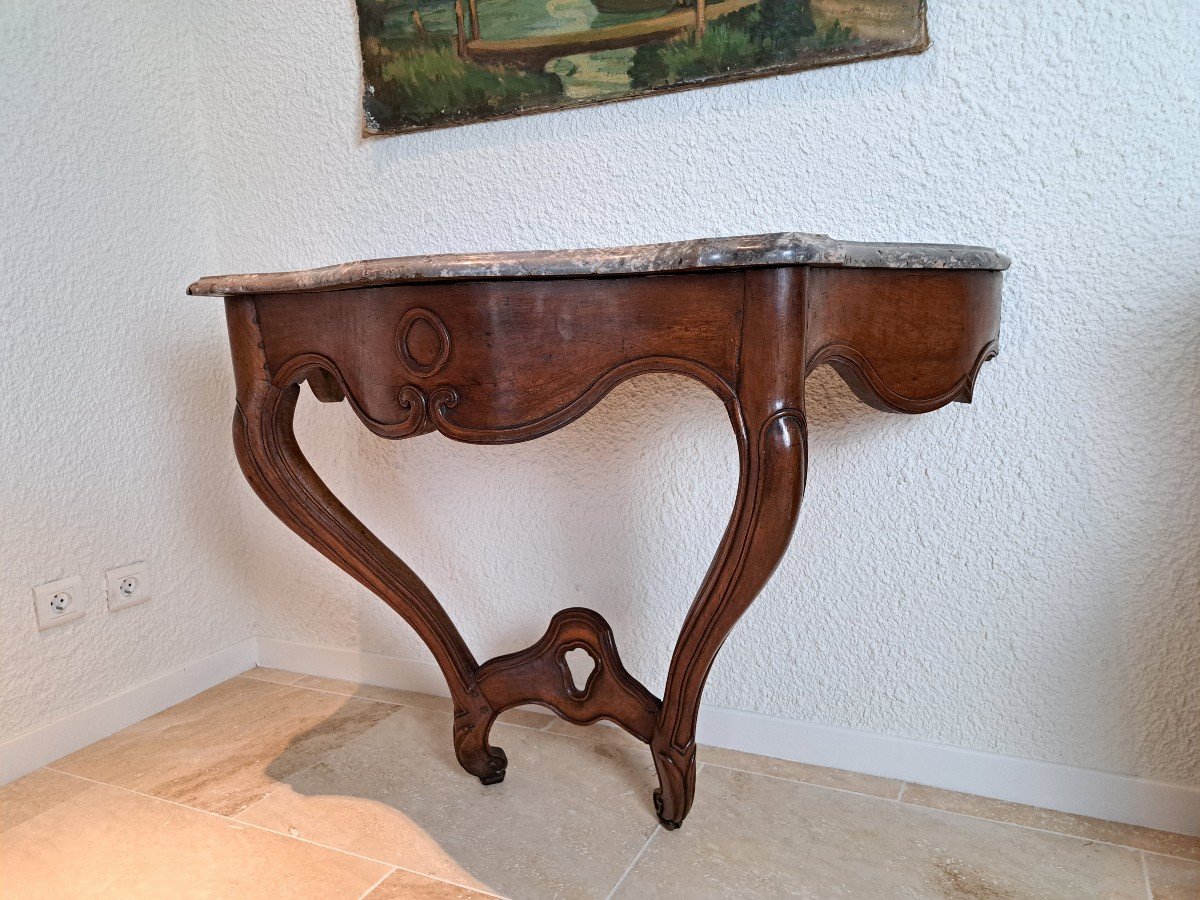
(276, 468)
(772, 484)
(768, 418)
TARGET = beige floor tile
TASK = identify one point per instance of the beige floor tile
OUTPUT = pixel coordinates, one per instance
(374, 692)
(1173, 879)
(522, 717)
(750, 836)
(277, 676)
(794, 771)
(566, 821)
(749, 762)
(1064, 823)
(403, 885)
(108, 843)
(601, 732)
(526, 718)
(227, 747)
(34, 794)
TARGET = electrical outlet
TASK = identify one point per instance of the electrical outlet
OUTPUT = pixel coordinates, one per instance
(127, 586)
(59, 602)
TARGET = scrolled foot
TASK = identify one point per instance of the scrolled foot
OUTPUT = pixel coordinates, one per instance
(485, 762)
(489, 766)
(669, 824)
(475, 754)
(676, 782)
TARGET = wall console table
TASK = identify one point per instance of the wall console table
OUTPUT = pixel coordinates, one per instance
(506, 347)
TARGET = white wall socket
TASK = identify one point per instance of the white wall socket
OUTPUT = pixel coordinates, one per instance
(59, 602)
(127, 586)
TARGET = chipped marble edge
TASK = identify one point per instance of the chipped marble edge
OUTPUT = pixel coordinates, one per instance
(786, 249)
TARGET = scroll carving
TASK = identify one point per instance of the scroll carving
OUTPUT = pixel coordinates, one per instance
(874, 390)
(423, 410)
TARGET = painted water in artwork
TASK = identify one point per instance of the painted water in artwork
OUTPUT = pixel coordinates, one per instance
(434, 63)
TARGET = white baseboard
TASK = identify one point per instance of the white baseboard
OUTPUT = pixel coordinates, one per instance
(1118, 798)
(1086, 792)
(34, 749)
(353, 665)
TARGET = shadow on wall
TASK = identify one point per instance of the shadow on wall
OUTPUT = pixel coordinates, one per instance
(620, 511)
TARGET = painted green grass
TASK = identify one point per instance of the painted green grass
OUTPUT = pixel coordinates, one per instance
(773, 32)
(426, 83)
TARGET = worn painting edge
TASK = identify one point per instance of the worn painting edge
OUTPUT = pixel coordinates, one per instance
(921, 42)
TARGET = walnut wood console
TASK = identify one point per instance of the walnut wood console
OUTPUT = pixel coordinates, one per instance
(498, 348)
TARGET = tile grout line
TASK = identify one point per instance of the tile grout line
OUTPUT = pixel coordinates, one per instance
(822, 787)
(224, 818)
(265, 830)
(474, 890)
(554, 720)
(1146, 875)
(911, 805)
(537, 730)
(633, 862)
(545, 729)
(279, 785)
(383, 878)
(395, 703)
(286, 782)
(271, 793)
(317, 690)
(298, 675)
(1076, 837)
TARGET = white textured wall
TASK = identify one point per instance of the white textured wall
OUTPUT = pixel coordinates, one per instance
(1021, 575)
(114, 391)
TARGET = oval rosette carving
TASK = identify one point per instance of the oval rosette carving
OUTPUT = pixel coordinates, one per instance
(423, 342)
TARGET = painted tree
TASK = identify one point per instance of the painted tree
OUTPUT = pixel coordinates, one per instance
(784, 24)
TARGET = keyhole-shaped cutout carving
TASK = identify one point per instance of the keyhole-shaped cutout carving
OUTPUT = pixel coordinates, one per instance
(580, 665)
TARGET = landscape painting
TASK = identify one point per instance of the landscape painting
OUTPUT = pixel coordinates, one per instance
(435, 63)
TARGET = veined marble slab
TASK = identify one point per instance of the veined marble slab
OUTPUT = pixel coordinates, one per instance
(785, 249)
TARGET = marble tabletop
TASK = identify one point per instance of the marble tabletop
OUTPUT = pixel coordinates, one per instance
(782, 249)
